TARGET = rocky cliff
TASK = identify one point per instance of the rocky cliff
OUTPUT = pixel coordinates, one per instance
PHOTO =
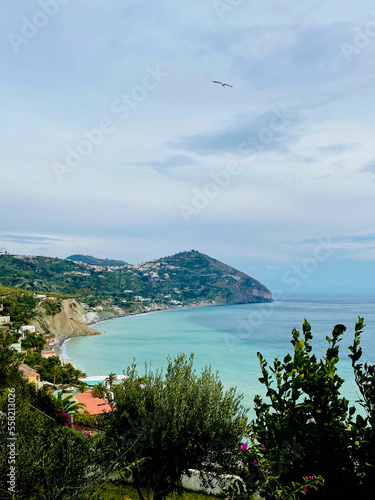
(244, 288)
(65, 324)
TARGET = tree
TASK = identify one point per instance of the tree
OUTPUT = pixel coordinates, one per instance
(9, 360)
(363, 429)
(110, 380)
(55, 369)
(77, 374)
(66, 404)
(174, 423)
(53, 462)
(305, 426)
(70, 375)
(99, 390)
(33, 340)
(82, 387)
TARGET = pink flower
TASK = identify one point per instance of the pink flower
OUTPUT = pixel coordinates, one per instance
(304, 489)
(244, 446)
(262, 445)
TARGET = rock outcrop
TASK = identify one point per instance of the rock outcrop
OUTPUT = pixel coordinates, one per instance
(65, 324)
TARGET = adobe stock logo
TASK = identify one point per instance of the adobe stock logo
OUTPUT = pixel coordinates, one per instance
(222, 7)
(31, 27)
(294, 277)
(361, 40)
(120, 108)
(202, 198)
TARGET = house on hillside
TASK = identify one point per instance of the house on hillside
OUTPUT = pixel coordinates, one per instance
(31, 374)
(27, 328)
(4, 320)
(93, 406)
(47, 353)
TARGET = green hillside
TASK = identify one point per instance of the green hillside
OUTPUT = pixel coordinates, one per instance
(93, 261)
(184, 278)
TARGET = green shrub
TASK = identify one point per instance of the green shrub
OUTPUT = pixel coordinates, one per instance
(33, 340)
(307, 427)
(363, 429)
(172, 423)
(85, 419)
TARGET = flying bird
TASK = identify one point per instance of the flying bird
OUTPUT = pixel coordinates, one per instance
(223, 84)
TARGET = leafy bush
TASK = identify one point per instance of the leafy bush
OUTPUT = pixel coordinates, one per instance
(52, 461)
(363, 429)
(19, 305)
(33, 340)
(52, 307)
(85, 420)
(307, 428)
(173, 423)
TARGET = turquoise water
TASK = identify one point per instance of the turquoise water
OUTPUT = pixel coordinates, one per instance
(227, 338)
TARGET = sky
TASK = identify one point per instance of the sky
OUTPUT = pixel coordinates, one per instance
(115, 142)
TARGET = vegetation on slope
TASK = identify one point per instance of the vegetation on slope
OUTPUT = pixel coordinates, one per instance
(187, 277)
(305, 438)
(93, 261)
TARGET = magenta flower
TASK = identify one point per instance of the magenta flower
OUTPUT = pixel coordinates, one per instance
(244, 446)
(305, 489)
(262, 445)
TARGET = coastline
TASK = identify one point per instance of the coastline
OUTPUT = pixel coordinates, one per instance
(171, 308)
(61, 346)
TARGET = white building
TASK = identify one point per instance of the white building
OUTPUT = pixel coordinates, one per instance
(16, 346)
(27, 328)
(47, 353)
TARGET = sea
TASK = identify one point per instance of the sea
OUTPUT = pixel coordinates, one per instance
(228, 338)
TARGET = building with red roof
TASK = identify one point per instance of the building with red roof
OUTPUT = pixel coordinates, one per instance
(94, 406)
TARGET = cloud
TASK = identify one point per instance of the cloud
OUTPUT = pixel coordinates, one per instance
(277, 55)
(29, 240)
(337, 148)
(369, 167)
(167, 164)
(353, 238)
(267, 131)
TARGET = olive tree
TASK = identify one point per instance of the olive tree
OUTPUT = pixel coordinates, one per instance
(170, 423)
